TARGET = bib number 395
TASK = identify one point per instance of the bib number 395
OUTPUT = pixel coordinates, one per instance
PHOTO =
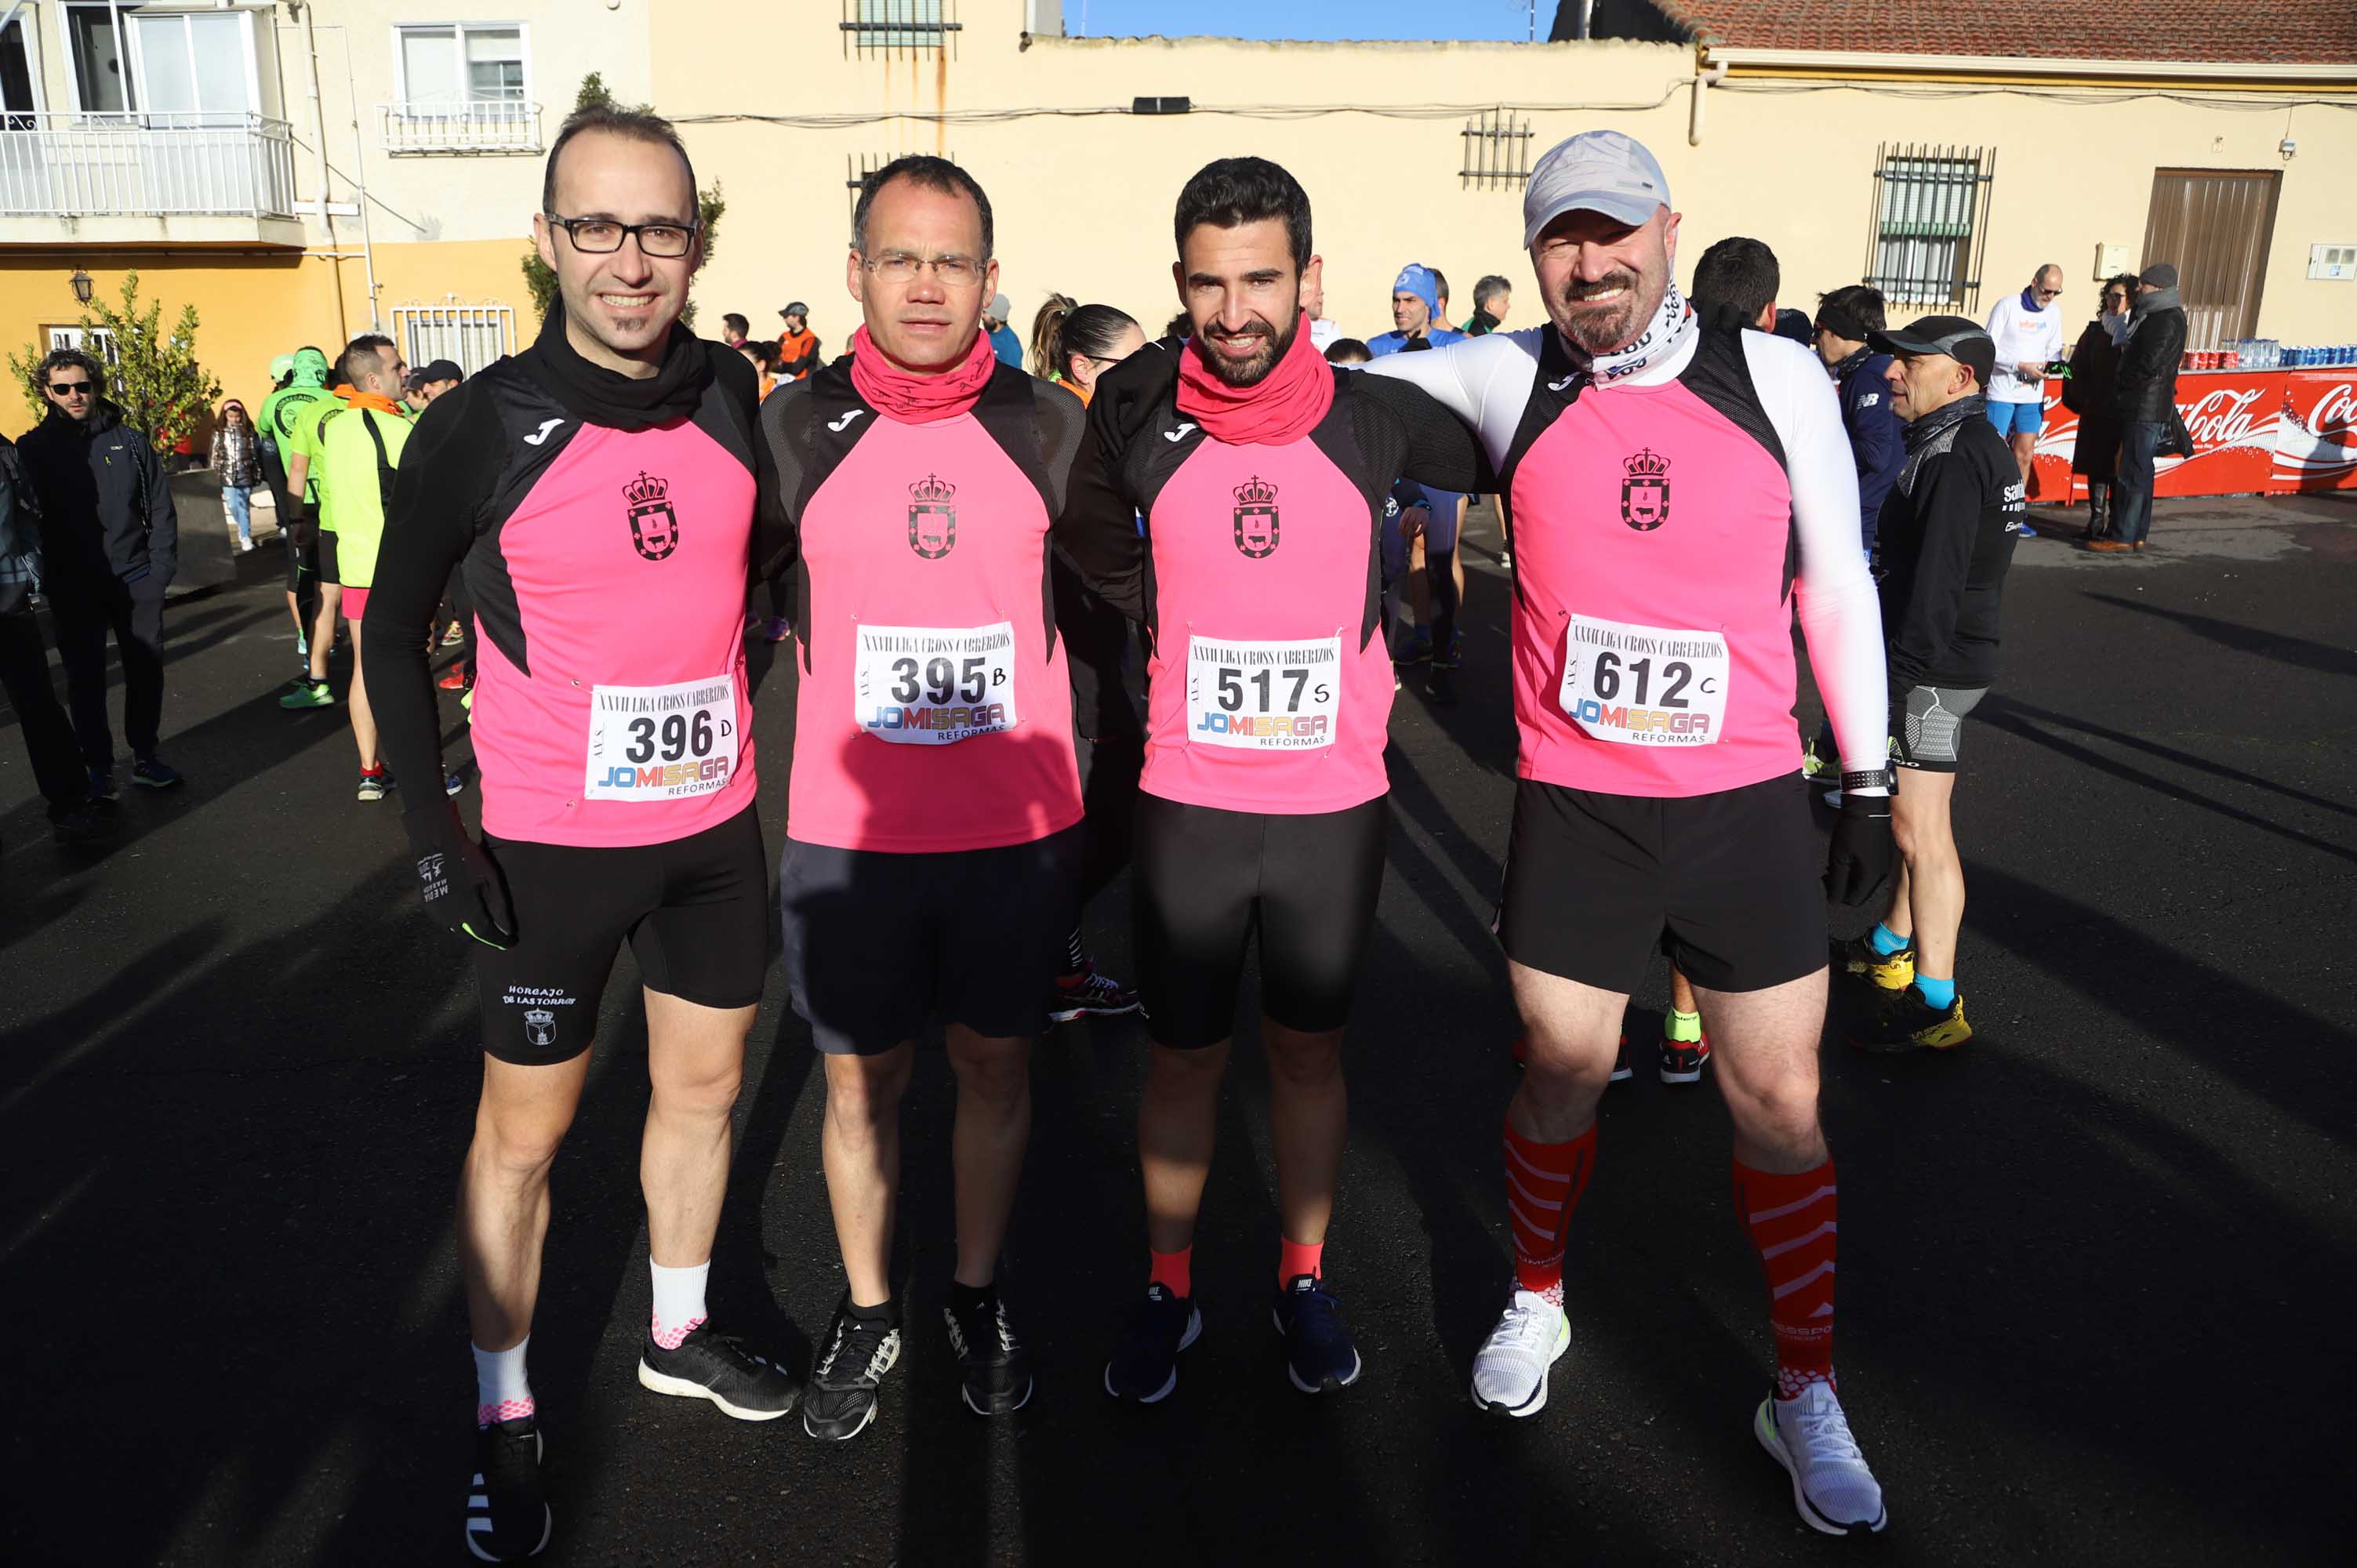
(661, 743)
(1264, 696)
(931, 685)
(1644, 686)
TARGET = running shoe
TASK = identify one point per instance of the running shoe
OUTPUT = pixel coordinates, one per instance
(1509, 1370)
(454, 680)
(2027, 531)
(1831, 1487)
(1859, 959)
(1090, 994)
(1318, 1355)
(373, 784)
(1908, 1023)
(155, 773)
(308, 694)
(452, 784)
(1419, 648)
(775, 629)
(1440, 684)
(717, 1367)
(1620, 1073)
(508, 1520)
(244, 546)
(997, 1369)
(102, 783)
(1145, 1364)
(1683, 1060)
(453, 635)
(841, 1399)
(1812, 764)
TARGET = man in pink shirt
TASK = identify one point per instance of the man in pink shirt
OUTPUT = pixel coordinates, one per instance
(1262, 474)
(933, 818)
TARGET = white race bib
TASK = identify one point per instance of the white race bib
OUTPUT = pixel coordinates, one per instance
(1264, 696)
(661, 743)
(930, 685)
(1644, 686)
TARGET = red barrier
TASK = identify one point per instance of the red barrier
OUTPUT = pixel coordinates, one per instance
(2255, 433)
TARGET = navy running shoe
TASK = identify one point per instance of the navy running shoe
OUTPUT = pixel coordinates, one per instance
(1318, 1355)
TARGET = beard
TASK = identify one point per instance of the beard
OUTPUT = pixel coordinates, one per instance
(1608, 330)
(1274, 345)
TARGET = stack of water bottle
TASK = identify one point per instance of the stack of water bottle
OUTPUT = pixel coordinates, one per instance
(2267, 354)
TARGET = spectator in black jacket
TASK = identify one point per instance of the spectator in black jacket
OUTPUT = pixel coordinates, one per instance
(2087, 392)
(74, 817)
(2144, 399)
(1845, 319)
(1947, 537)
(112, 543)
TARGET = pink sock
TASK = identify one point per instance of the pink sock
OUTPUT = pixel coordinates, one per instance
(1174, 1271)
(1294, 1259)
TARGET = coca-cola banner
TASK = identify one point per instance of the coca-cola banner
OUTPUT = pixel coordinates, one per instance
(2255, 433)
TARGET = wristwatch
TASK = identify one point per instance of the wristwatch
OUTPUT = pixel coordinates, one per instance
(1883, 778)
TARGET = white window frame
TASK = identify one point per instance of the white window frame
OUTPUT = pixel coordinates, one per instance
(458, 31)
(28, 29)
(127, 49)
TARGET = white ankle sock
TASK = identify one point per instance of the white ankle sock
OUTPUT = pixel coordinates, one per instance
(679, 1302)
(503, 1392)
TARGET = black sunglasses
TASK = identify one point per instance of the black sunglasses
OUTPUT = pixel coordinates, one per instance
(67, 389)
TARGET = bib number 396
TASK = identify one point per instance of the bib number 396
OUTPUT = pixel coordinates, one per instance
(931, 685)
(1644, 686)
(1265, 696)
(661, 743)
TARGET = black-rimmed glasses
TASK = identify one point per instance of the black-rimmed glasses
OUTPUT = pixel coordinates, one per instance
(603, 236)
(69, 389)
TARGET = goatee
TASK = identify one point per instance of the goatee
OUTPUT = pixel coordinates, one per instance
(1254, 370)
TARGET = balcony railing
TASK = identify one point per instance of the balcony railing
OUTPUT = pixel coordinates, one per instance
(199, 163)
(446, 125)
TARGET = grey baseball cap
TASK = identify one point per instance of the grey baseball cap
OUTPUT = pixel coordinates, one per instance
(1601, 171)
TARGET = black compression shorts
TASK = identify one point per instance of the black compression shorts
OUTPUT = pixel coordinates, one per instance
(1729, 884)
(876, 941)
(695, 911)
(1205, 878)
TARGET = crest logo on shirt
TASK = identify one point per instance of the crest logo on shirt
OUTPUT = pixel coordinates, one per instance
(1256, 517)
(654, 526)
(933, 520)
(1645, 492)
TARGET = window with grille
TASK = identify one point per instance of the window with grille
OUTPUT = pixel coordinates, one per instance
(1497, 152)
(857, 166)
(1930, 209)
(884, 28)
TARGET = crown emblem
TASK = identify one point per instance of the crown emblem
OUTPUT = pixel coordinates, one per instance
(645, 490)
(1255, 492)
(932, 487)
(1647, 465)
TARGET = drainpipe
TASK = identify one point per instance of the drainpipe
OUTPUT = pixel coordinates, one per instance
(319, 114)
(360, 180)
(1705, 76)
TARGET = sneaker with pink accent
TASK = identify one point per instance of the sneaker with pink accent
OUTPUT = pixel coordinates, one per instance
(1809, 1435)
(717, 1367)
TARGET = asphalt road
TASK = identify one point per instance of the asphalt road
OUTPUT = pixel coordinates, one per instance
(2097, 1267)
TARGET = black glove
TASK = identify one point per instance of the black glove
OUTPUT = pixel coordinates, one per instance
(1859, 862)
(462, 888)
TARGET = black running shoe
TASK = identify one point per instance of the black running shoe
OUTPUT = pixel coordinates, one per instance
(1093, 994)
(506, 1519)
(1145, 1364)
(1318, 1355)
(1683, 1060)
(717, 1367)
(997, 1369)
(841, 1399)
(1621, 1072)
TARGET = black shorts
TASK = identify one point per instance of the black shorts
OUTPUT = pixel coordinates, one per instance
(1205, 878)
(877, 941)
(1729, 884)
(1927, 727)
(323, 546)
(696, 910)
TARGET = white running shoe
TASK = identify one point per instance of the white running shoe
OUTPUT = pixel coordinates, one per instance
(1810, 1437)
(1510, 1373)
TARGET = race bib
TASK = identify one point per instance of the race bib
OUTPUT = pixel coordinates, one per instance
(661, 743)
(931, 685)
(1644, 686)
(1264, 696)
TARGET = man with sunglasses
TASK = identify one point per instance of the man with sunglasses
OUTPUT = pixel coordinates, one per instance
(111, 541)
(2028, 331)
(600, 488)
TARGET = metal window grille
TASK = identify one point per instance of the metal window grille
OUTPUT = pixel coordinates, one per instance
(857, 166)
(1931, 230)
(1497, 152)
(885, 30)
(472, 334)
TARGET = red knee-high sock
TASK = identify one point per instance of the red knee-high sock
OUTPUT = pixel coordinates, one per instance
(1544, 1182)
(1790, 1220)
